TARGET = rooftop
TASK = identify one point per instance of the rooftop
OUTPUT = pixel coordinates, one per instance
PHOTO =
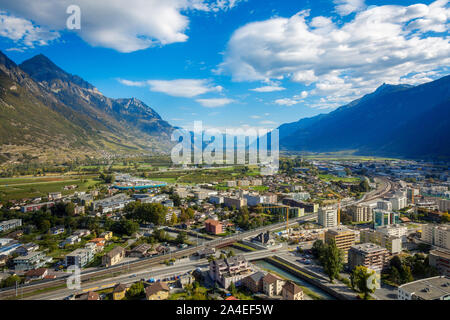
(435, 288)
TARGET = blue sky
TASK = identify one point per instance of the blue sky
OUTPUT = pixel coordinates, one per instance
(235, 63)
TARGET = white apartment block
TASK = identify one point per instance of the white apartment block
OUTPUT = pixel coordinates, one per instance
(437, 235)
(384, 205)
(398, 203)
(394, 230)
(444, 205)
(328, 217)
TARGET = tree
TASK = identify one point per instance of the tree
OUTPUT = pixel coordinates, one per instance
(10, 281)
(318, 248)
(174, 219)
(332, 260)
(232, 288)
(230, 254)
(181, 237)
(364, 280)
(135, 290)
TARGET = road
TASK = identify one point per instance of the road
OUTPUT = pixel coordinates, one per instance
(159, 272)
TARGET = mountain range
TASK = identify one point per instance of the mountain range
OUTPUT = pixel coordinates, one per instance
(395, 120)
(49, 114)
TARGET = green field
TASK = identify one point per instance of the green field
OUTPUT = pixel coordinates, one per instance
(19, 188)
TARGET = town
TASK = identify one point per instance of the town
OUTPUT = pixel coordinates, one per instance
(318, 229)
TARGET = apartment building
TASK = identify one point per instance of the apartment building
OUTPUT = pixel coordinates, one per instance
(213, 226)
(437, 235)
(395, 230)
(10, 224)
(384, 205)
(228, 270)
(344, 238)
(113, 257)
(32, 260)
(392, 243)
(398, 202)
(79, 257)
(291, 291)
(435, 288)
(272, 285)
(369, 255)
(254, 282)
(309, 207)
(440, 259)
(234, 202)
(327, 217)
(444, 205)
(362, 213)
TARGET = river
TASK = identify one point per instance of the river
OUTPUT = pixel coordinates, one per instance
(268, 266)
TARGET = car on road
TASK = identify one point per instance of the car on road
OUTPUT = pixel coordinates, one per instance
(133, 275)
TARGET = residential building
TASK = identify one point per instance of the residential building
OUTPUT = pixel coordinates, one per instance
(344, 238)
(113, 257)
(233, 202)
(384, 205)
(398, 202)
(119, 291)
(213, 226)
(157, 291)
(444, 205)
(440, 259)
(79, 257)
(437, 235)
(272, 285)
(254, 282)
(36, 274)
(396, 230)
(140, 251)
(327, 217)
(36, 206)
(52, 196)
(309, 207)
(216, 199)
(10, 224)
(392, 243)
(361, 213)
(232, 269)
(435, 288)
(107, 235)
(369, 255)
(33, 260)
(291, 291)
(57, 230)
(91, 295)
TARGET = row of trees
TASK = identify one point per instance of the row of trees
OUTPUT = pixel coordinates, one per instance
(407, 269)
(330, 257)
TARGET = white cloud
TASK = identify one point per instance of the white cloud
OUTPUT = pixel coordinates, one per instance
(23, 32)
(287, 102)
(255, 117)
(183, 87)
(125, 26)
(131, 83)
(268, 89)
(267, 122)
(380, 44)
(187, 88)
(345, 7)
(214, 102)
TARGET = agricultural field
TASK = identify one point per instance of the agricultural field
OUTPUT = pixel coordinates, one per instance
(330, 177)
(24, 187)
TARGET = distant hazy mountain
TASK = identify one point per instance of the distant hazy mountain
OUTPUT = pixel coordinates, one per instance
(49, 114)
(402, 121)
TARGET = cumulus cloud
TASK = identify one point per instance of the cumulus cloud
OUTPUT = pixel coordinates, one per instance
(125, 26)
(389, 43)
(345, 7)
(287, 102)
(23, 32)
(186, 88)
(268, 89)
(214, 102)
